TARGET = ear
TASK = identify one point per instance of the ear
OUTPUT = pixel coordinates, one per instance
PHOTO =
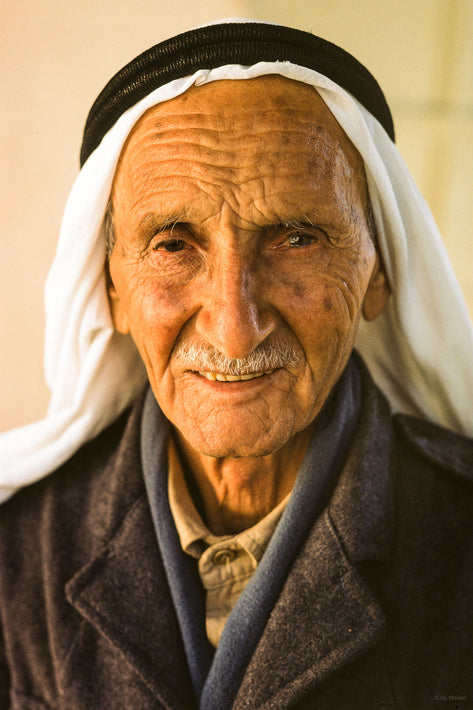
(377, 293)
(117, 309)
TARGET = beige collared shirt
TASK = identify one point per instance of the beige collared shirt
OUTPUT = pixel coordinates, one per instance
(226, 562)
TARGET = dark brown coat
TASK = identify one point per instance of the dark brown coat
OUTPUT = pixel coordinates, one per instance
(376, 612)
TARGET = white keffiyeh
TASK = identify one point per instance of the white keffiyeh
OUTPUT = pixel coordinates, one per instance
(420, 350)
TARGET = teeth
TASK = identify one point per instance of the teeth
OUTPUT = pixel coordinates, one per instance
(208, 375)
(221, 378)
(232, 378)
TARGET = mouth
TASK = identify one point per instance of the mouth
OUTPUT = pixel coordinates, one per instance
(221, 377)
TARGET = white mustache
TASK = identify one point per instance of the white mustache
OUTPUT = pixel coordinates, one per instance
(265, 357)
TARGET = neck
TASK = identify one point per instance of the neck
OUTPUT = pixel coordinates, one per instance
(236, 493)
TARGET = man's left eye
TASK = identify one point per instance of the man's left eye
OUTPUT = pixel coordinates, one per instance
(170, 245)
(301, 239)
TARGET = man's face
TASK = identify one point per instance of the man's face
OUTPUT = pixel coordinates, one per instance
(240, 217)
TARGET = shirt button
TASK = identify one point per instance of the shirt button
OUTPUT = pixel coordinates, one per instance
(224, 557)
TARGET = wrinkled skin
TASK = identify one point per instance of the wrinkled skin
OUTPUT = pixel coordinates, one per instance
(240, 216)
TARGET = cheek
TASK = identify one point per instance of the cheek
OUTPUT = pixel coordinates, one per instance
(321, 306)
(156, 316)
(306, 297)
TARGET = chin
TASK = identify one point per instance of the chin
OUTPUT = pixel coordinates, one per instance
(230, 445)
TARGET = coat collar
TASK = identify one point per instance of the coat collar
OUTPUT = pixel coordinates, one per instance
(325, 616)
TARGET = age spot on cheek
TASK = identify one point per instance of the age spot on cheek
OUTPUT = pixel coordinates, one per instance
(299, 289)
(327, 304)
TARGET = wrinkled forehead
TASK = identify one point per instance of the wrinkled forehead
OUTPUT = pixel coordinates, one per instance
(269, 108)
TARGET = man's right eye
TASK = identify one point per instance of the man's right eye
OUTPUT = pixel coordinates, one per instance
(170, 245)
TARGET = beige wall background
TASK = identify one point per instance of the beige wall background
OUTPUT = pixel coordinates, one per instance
(56, 55)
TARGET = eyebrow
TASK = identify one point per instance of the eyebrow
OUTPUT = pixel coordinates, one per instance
(294, 223)
(155, 223)
(303, 222)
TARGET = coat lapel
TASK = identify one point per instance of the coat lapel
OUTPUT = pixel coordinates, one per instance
(326, 616)
(122, 591)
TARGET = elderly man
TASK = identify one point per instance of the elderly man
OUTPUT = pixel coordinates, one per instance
(257, 529)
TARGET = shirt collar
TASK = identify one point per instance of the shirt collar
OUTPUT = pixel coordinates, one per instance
(194, 535)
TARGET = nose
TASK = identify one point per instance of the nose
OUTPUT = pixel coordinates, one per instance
(233, 316)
